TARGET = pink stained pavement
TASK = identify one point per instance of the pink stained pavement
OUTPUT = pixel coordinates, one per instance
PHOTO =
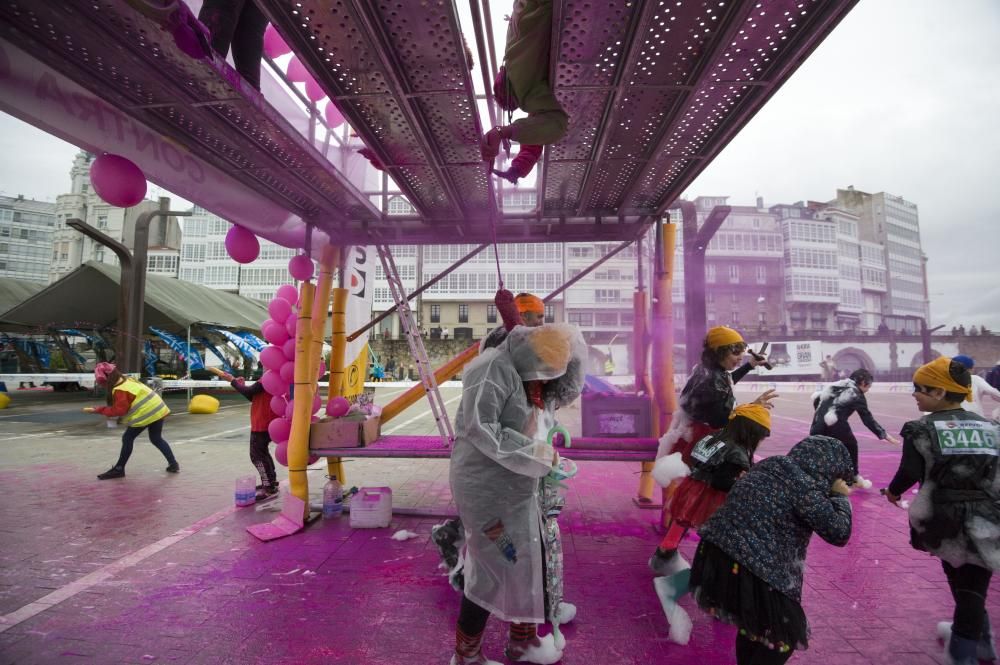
(331, 594)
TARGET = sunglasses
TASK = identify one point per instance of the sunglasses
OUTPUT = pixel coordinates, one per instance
(923, 390)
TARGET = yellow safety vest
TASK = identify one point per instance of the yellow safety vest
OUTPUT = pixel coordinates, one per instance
(147, 407)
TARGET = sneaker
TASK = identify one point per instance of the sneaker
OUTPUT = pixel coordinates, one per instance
(985, 648)
(862, 482)
(174, 468)
(448, 538)
(113, 472)
(540, 650)
(266, 491)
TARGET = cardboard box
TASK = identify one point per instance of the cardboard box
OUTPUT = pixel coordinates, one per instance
(616, 416)
(354, 431)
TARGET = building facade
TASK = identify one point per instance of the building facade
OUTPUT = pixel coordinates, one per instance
(26, 228)
(893, 223)
(204, 260)
(71, 249)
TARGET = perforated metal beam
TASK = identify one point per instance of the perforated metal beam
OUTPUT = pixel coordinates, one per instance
(655, 91)
(398, 73)
(200, 106)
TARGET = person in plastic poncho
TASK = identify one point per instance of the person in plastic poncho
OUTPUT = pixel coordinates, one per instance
(953, 454)
(449, 536)
(498, 461)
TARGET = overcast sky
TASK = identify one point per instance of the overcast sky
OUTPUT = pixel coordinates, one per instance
(903, 97)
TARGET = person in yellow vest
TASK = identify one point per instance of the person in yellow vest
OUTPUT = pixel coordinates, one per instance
(139, 408)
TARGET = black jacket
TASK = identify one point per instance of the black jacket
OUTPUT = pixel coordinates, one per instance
(708, 395)
(956, 514)
(835, 404)
(718, 462)
(771, 513)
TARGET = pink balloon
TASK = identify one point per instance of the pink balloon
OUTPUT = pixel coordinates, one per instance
(291, 325)
(313, 90)
(313, 459)
(274, 45)
(279, 429)
(272, 357)
(279, 309)
(275, 333)
(296, 70)
(273, 383)
(289, 293)
(333, 116)
(281, 454)
(290, 409)
(337, 407)
(301, 267)
(117, 180)
(289, 349)
(287, 370)
(317, 403)
(278, 403)
(242, 245)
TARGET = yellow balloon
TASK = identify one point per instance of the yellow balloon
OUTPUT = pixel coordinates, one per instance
(203, 404)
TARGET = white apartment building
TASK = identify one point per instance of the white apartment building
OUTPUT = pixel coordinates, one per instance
(26, 228)
(894, 224)
(204, 260)
(71, 249)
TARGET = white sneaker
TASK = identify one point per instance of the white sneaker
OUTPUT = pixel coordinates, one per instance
(541, 651)
(862, 482)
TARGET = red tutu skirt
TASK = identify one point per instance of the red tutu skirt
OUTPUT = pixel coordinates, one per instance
(694, 501)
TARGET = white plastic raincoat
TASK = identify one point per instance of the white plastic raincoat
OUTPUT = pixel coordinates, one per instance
(496, 466)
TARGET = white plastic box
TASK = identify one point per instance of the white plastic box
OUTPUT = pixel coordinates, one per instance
(371, 508)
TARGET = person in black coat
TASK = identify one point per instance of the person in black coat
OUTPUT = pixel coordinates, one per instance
(835, 404)
(953, 454)
(749, 565)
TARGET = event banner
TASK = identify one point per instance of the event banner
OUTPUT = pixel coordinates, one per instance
(792, 358)
(361, 282)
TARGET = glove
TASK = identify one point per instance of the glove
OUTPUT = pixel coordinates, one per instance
(489, 147)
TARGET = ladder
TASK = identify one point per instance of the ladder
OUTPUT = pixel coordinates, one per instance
(416, 342)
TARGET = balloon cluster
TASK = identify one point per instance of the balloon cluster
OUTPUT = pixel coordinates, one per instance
(278, 359)
(275, 46)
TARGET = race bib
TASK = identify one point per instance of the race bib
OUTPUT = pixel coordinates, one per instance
(706, 448)
(967, 437)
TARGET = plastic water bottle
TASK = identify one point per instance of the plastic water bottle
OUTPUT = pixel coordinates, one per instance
(246, 491)
(333, 498)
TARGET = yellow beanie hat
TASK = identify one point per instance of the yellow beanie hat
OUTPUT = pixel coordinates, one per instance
(722, 336)
(935, 374)
(754, 412)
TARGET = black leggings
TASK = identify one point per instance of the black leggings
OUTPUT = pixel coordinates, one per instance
(155, 431)
(260, 455)
(472, 618)
(749, 652)
(969, 585)
(241, 24)
(842, 432)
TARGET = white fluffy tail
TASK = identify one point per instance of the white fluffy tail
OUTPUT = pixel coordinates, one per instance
(669, 468)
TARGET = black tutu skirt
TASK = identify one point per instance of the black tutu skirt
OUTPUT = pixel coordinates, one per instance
(729, 591)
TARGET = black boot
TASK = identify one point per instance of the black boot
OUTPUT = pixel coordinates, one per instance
(173, 467)
(113, 472)
(961, 651)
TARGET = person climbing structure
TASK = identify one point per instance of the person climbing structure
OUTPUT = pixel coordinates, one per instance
(523, 83)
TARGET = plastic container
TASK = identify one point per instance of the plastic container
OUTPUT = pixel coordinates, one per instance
(371, 508)
(333, 498)
(246, 491)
